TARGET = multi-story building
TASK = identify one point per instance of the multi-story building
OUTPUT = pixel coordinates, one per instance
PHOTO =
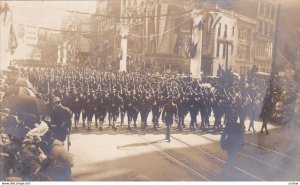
(75, 43)
(266, 19)
(244, 59)
(105, 43)
(166, 34)
(219, 43)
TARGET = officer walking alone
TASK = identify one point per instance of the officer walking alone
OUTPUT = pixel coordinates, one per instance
(170, 110)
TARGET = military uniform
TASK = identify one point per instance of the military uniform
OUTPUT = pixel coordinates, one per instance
(170, 110)
(61, 121)
(193, 109)
(129, 102)
(90, 109)
(102, 103)
(157, 103)
(114, 108)
(77, 106)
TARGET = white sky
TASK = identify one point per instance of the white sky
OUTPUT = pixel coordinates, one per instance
(47, 13)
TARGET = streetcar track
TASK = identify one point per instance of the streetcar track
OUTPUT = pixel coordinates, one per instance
(274, 151)
(167, 154)
(218, 159)
(269, 149)
(260, 161)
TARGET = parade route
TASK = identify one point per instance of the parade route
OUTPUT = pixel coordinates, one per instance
(124, 155)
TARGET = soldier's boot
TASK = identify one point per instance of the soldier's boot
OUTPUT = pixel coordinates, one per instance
(96, 122)
(179, 127)
(89, 125)
(76, 123)
(202, 124)
(114, 127)
(155, 122)
(100, 125)
(207, 122)
(243, 126)
(196, 124)
(129, 127)
(192, 127)
(122, 119)
(142, 125)
(168, 133)
(109, 120)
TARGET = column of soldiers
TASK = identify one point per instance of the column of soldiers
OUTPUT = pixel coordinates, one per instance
(101, 94)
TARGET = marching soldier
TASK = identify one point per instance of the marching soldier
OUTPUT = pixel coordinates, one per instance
(145, 107)
(77, 107)
(170, 110)
(90, 108)
(114, 108)
(101, 110)
(265, 112)
(60, 119)
(193, 109)
(157, 103)
(218, 108)
(84, 108)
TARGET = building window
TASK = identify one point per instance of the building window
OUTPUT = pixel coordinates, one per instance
(243, 52)
(260, 27)
(267, 13)
(272, 11)
(233, 31)
(262, 7)
(218, 50)
(266, 31)
(224, 51)
(271, 29)
(219, 30)
(225, 31)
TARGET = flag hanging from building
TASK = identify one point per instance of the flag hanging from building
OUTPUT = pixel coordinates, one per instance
(13, 42)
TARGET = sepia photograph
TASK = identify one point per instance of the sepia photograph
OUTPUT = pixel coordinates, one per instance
(150, 91)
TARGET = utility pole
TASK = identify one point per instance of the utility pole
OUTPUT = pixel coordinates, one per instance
(275, 46)
(124, 41)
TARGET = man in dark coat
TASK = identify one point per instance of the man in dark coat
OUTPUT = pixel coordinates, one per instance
(129, 102)
(157, 103)
(170, 110)
(90, 108)
(232, 140)
(77, 107)
(60, 119)
(102, 103)
(114, 108)
(265, 112)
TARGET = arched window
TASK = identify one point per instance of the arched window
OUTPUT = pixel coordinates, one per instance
(219, 30)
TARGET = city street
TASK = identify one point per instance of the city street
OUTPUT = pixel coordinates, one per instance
(124, 155)
(188, 76)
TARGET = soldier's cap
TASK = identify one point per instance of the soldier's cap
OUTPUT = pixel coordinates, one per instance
(55, 99)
